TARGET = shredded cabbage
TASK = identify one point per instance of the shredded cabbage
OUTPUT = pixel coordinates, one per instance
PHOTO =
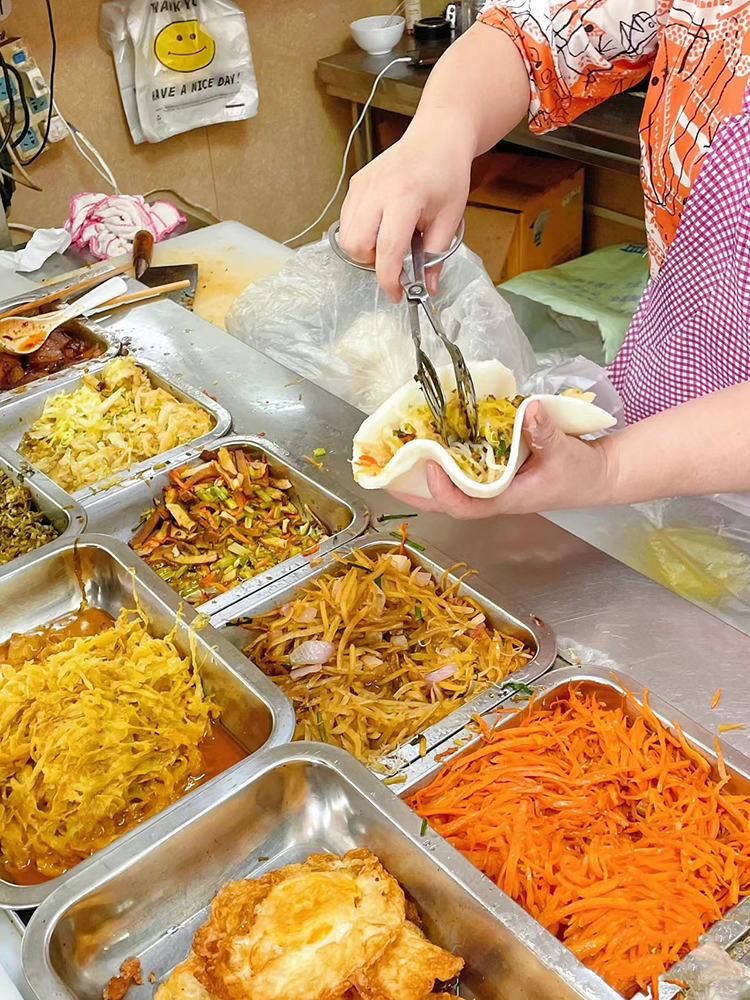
(97, 733)
(115, 419)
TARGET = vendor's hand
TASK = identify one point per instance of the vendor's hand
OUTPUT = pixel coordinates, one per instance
(560, 472)
(422, 182)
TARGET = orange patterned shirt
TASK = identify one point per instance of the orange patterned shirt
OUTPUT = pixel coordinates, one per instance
(695, 53)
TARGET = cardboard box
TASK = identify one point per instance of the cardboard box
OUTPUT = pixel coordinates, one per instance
(525, 214)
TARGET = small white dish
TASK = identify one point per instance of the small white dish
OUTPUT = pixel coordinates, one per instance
(372, 35)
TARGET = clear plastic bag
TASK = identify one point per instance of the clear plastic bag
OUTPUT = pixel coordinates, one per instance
(331, 323)
(697, 547)
(713, 975)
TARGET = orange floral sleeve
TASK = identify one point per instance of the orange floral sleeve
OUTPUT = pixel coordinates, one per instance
(578, 52)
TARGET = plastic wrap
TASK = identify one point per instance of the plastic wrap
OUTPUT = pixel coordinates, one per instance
(713, 975)
(331, 323)
(698, 547)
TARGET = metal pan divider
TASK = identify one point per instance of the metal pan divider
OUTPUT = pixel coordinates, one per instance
(68, 516)
(112, 345)
(253, 710)
(734, 926)
(117, 511)
(528, 627)
(18, 414)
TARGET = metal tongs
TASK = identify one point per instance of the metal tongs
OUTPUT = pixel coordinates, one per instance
(416, 293)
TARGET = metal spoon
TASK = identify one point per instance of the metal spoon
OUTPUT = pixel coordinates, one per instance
(25, 334)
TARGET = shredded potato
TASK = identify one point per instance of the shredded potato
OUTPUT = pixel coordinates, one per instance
(403, 652)
(114, 419)
(97, 733)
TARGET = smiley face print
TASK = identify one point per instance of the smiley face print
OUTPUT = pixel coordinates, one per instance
(184, 46)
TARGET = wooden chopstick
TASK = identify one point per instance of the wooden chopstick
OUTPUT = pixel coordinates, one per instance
(93, 279)
(141, 295)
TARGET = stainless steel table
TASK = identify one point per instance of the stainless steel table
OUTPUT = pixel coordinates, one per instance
(606, 136)
(590, 599)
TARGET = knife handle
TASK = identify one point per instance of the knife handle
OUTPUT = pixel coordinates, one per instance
(143, 247)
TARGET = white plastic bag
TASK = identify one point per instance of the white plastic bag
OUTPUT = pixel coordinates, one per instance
(332, 323)
(181, 64)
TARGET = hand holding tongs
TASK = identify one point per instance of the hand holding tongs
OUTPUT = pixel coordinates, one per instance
(416, 293)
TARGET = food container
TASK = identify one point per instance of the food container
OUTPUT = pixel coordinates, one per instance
(534, 632)
(118, 512)
(148, 900)
(253, 710)
(611, 688)
(62, 510)
(19, 413)
(90, 331)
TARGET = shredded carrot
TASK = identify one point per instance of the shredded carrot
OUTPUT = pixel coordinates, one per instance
(715, 699)
(403, 530)
(603, 827)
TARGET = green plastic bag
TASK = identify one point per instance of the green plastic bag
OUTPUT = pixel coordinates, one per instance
(603, 288)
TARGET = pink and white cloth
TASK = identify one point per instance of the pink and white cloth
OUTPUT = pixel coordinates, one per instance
(691, 332)
(106, 224)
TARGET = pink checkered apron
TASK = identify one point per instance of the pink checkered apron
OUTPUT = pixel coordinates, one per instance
(691, 332)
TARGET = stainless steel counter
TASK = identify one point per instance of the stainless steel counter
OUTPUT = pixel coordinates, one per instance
(590, 599)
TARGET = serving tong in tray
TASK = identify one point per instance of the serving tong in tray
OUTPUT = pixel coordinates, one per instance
(415, 289)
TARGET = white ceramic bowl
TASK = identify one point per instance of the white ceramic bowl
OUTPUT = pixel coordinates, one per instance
(371, 34)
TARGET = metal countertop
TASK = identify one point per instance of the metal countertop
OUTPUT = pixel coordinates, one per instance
(590, 599)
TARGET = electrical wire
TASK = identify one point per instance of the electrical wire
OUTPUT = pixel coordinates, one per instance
(24, 180)
(347, 150)
(11, 105)
(24, 105)
(79, 141)
(53, 65)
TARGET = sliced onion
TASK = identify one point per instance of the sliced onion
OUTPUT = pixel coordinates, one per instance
(441, 674)
(370, 661)
(380, 600)
(402, 564)
(476, 621)
(400, 641)
(285, 608)
(311, 668)
(422, 577)
(311, 651)
(373, 638)
(338, 583)
(307, 615)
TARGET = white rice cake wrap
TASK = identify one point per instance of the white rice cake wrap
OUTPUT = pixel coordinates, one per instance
(405, 471)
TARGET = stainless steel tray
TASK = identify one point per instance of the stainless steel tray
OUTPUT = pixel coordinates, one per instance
(18, 414)
(62, 510)
(253, 710)
(532, 630)
(89, 329)
(118, 512)
(612, 688)
(292, 801)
